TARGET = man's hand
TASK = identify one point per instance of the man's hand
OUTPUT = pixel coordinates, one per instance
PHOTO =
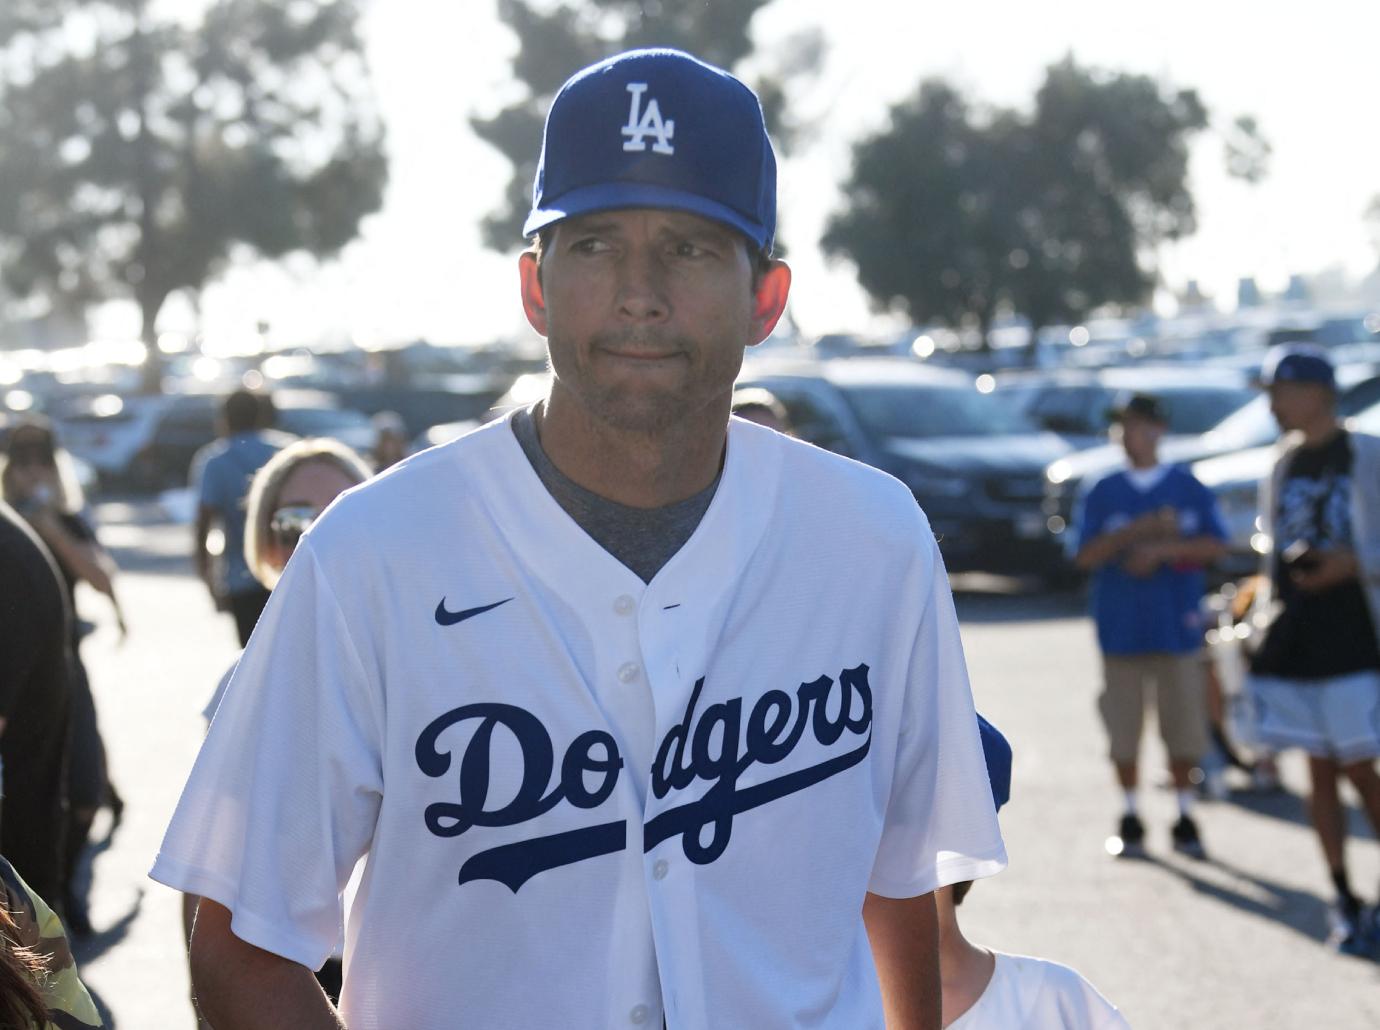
(1142, 561)
(1326, 569)
(904, 934)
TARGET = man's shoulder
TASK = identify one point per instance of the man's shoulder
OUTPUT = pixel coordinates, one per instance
(814, 468)
(424, 479)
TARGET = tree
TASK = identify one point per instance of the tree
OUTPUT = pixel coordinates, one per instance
(557, 39)
(139, 156)
(956, 211)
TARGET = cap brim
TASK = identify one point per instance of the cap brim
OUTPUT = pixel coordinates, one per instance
(612, 197)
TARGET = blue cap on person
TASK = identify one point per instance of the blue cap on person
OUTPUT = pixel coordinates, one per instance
(1297, 363)
(997, 751)
(661, 129)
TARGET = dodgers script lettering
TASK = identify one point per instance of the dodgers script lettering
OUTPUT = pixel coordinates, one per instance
(716, 746)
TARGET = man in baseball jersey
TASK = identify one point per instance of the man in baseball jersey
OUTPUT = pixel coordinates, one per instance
(1147, 533)
(636, 714)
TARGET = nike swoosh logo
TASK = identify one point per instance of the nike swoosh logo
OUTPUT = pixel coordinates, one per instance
(446, 618)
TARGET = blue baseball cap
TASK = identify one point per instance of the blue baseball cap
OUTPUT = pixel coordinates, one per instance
(997, 751)
(1297, 363)
(657, 128)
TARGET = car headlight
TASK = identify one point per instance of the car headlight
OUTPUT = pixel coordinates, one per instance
(1058, 472)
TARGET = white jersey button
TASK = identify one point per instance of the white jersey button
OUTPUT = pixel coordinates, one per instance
(624, 605)
(628, 671)
(639, 1014)
(660, 869)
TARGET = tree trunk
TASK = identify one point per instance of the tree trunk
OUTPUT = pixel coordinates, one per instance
(151, 379)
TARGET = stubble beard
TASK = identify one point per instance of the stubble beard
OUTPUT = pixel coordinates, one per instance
(644, 408)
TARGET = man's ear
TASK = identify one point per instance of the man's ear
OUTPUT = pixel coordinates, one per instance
(533, 299)
(769, 300)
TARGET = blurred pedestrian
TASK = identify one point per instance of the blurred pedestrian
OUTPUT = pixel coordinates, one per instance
(35, 705)
(39, 985)
(39, 483)
(227, 467)
(1315, 678)
(993, 990)
(1146, 533)
(390, 440)
(593, 686)
(763, 407)
(285, 497)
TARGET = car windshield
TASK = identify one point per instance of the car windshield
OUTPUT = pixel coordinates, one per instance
(1251, 425)
(1197, 411)
(306, 421)
(929, 411)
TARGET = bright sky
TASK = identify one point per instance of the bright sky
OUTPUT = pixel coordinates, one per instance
(1307, 72)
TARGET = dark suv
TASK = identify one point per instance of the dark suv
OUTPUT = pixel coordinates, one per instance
(975, 464)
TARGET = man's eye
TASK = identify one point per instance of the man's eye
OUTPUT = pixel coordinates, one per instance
(589, 245)
(687, 249)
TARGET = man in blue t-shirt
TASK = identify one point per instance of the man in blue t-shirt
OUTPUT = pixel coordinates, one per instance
(1146, 533)
(222, 484)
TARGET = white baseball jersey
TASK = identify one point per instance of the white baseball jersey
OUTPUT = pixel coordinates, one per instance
(587, 801)
(1037, 994)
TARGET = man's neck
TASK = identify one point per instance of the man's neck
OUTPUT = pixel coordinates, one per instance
(637, 469)
(1320, 432)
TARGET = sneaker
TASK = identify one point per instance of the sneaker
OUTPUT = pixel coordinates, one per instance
(1186, 839)
(1129, 839)
(1347, 930)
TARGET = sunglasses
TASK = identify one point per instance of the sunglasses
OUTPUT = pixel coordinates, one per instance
(287, 524)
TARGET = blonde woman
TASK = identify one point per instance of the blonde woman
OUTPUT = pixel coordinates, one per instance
(285, 497)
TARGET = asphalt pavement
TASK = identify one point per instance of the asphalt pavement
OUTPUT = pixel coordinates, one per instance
(1234, 941)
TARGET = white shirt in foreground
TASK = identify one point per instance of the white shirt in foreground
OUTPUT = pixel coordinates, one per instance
(585, 800)
(1037, 994)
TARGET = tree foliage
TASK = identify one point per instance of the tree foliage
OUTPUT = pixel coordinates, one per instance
(137, 155)
(558, 39)
(956, 211)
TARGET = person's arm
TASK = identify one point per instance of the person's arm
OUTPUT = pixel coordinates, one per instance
(83, 558)
(201, 557)
(1144, 559)
(1328, 569)
(1110, 546)
(904, 935)
(241, 987)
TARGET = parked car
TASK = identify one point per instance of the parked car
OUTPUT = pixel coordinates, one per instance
(140, 442)
(975, 464)
(317, 413)
(1075, 402)
(1249, 428)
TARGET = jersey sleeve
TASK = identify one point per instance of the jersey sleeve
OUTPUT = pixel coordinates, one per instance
(284, 796)
(941, 822)
(1209, 514)
(1089, 518)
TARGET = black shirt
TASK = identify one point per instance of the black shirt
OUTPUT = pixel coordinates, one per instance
(1328, 633)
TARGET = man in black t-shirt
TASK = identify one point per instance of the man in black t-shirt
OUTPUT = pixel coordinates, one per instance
(35, 702)
(1315, 678)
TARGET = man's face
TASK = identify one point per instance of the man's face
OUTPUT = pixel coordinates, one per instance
(1297, 405)
(1140, 437)
(647, 314)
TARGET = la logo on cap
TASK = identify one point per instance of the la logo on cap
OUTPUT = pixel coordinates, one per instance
(644, 123)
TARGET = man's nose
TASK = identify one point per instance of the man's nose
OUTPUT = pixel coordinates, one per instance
(642, 287)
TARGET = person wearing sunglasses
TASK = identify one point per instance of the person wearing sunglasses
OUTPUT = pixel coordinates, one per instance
(39, 482)
(285, 498)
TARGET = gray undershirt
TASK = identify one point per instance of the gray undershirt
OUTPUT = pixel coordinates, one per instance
(643, 539)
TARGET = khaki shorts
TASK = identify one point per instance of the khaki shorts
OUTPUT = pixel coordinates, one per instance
(1179, 684)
